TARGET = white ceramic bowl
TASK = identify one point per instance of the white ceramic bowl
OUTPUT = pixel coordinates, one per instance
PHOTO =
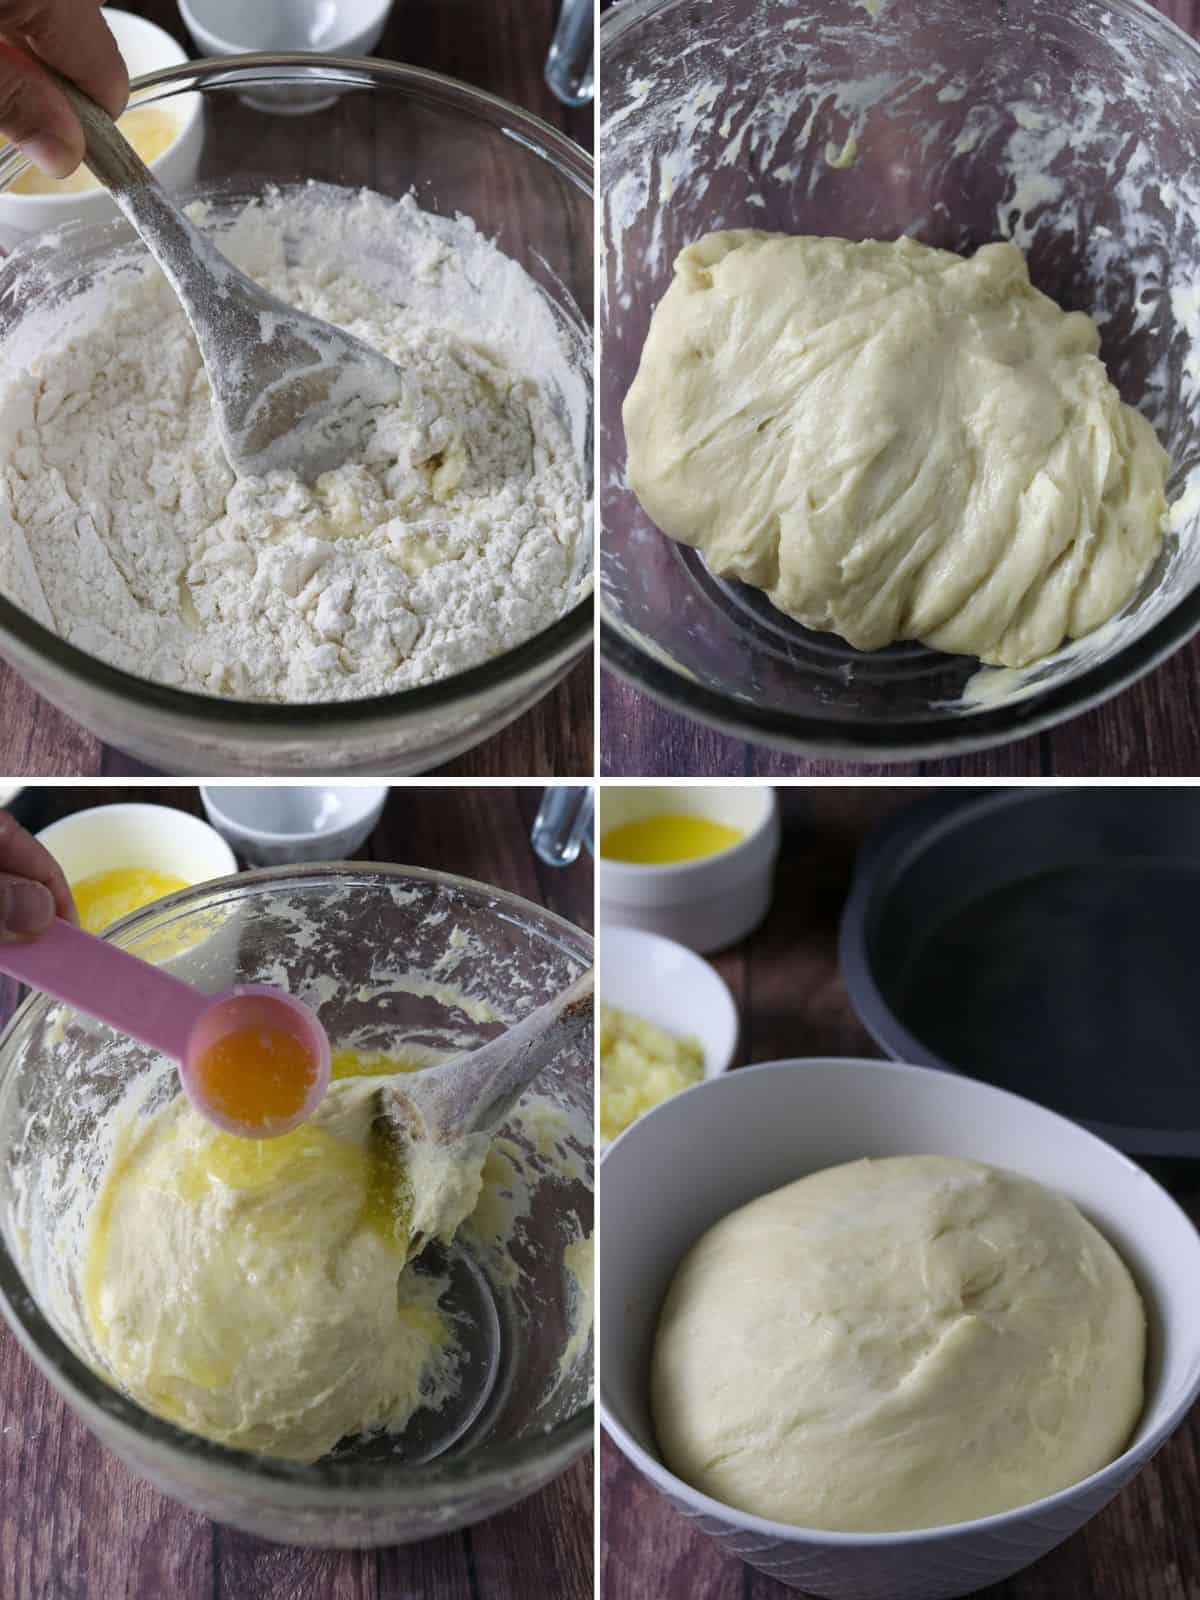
(706, 904)
(158, 838)
(274, 825)
(333, 27)
(754, 1130)
(146, 48)
(666, 984)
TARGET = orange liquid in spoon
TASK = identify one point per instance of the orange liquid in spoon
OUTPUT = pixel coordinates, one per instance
(258, 1075)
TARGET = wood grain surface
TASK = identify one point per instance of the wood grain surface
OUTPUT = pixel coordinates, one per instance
(1146, 1544)
(1150, 730)
(498, 45)
(75, 1524)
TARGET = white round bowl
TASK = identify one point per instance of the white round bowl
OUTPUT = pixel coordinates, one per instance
(755, 1130)
(274, 825)
(146, 48)
(667, 984)
(158, 838)
(333, 27)
(706, 904)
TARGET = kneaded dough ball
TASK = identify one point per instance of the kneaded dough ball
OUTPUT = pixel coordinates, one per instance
(897, 1344)
(894, 443)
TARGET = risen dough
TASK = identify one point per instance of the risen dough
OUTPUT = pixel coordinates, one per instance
(897, 1344)
(894, 443)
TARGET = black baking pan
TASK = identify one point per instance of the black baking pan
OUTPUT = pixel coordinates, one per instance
(1044, 940)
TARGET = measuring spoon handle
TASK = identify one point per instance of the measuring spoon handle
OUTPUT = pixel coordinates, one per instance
(108, 983)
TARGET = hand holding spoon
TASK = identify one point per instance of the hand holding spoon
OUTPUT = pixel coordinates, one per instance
(291, 393)
(254, 1061)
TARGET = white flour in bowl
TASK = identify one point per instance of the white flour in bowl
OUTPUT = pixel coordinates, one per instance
(123, 529)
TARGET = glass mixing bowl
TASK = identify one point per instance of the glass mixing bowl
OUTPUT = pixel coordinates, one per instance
(391, 956)
(391, 129)
(1067, 125)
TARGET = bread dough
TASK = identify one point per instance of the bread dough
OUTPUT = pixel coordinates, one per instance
(894, 442)
(897, 1344)
(254, 1292)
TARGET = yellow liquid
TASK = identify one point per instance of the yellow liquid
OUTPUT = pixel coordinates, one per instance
(148, 130)
(672, 836)
(259, 1075)
(107, 896)
(258, 1166)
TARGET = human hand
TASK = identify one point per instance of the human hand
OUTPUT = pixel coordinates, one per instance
(72, 36)
(33, 890)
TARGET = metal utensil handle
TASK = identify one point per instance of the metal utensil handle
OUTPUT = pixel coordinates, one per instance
(190, 260)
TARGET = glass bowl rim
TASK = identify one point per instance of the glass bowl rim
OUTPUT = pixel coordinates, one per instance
(339, 1485)
(918, 737)
(568, 635)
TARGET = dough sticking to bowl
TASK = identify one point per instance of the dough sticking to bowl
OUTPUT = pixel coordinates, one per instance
(897, 1344)
(894, 442)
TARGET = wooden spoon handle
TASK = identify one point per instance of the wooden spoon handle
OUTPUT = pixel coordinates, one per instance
(475, 1093)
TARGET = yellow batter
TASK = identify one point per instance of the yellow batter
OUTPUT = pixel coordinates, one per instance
(640, 1066)
(255, 1292)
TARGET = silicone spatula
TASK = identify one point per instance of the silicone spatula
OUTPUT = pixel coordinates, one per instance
(254, 1061)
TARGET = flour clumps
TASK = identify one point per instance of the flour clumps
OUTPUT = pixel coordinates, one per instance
(123, 528)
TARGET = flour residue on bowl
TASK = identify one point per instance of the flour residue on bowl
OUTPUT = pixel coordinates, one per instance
(101, 1225)
(986, 134)
(459, 534)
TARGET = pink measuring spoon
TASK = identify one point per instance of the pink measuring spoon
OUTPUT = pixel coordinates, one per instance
(169, 1015)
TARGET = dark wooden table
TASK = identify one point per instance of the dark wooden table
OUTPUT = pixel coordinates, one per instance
(499, 45)
(1146, 1544)
(75, 1524)
(1151, 730)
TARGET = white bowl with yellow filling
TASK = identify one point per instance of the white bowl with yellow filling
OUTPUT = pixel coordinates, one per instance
(120, 858)
(667, 1021)
(985, 1309)
(167, 136)
(693, 863)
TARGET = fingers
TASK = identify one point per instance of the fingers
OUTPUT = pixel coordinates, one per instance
(35, 115)
(72, 36)
(26, 909)
(23, 858)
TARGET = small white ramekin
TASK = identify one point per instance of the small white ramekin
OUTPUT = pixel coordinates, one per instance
(230, 27)
(706, 904)
(669, 985)
(752, 1131)
(274, 825)
(157, 838)
(146, 48)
